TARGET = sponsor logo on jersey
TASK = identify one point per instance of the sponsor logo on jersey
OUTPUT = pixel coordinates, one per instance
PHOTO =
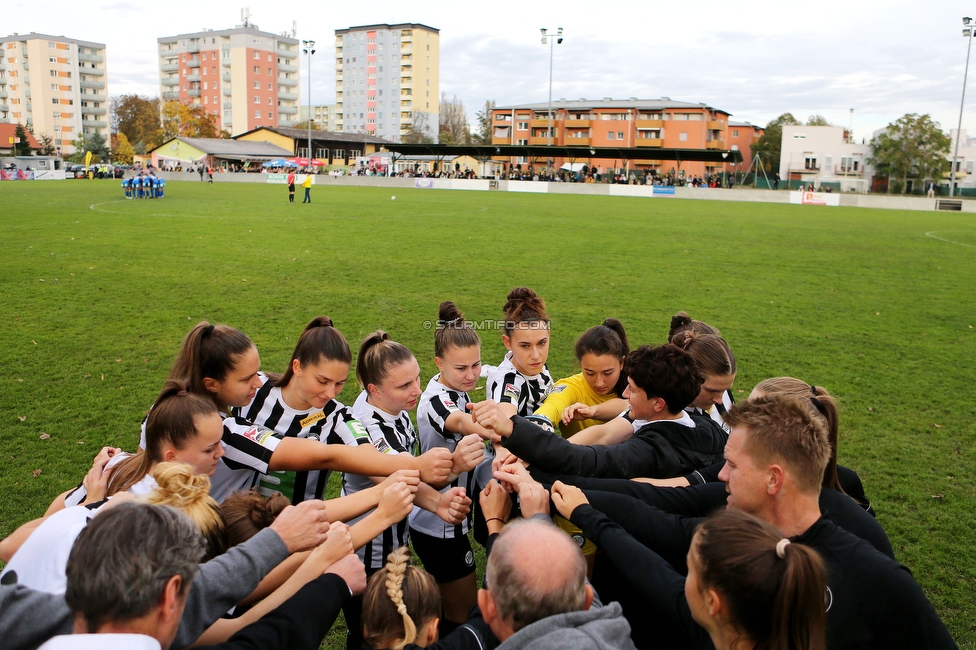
(450, 405)
(558, 389)
(357, 429)
(579, 539)
(511, 391)
(258, 433)
(313, 418)
(383, 446)
(469, 558)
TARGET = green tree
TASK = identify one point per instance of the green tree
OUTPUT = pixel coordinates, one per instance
(93, 142)
(818, 120)
(769, 145)
(22, 145)
(138, 118)
(123, 150)
(483, 134)
(47, 145)
(913, 146)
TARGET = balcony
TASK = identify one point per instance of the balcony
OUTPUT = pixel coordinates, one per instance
(4, 108)
(715, 125)
(228, 105)
(193, 63)
(4, 94)
(285, 67)
(193, 49)
(844, 170)
(95, 98)
(92, 58)
(540, 124)
(97, 124)
(97, 72)
(193, 92)
(290, 83)
(649, 142)
(406, 83)
(171, 81)
(227, 91)
(170, 67)
(286, 52)
(85, 110)
(226, 77)
(291, 97)
(288, 110)
(650, 124)
(575, 142)
(225, 63)
(803, 169)
(91, 83)
(26, 65)
(715, 144)
(542, 140)
(3, 65)
(575, 124)
(193, 78)
(171, 96)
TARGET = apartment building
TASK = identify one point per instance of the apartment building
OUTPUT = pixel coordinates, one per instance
(388, 80)
(824, 156)
(741, 137)
(643, 123)
(324, 116)
(57, 86)
(243, 76)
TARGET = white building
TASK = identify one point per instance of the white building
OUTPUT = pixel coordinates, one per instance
(324, 116)
(68, 96)
(825, 155)
(966, 160)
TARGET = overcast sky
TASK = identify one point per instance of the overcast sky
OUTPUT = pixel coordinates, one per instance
(754, 58)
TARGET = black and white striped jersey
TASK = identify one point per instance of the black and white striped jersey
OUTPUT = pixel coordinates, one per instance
(506, 384)
(247, 451)
(390, 434)
(332, 424)
(436, 405)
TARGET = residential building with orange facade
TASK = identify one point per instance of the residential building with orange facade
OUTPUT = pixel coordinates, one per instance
(244, 77)
(54, 85)
(741, 137)
(642, 123)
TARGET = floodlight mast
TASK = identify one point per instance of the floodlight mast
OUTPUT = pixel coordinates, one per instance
(968, 31)
(308, 47)
(553, 40)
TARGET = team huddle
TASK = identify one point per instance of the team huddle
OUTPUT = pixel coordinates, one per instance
(144, 186)
(632, 505)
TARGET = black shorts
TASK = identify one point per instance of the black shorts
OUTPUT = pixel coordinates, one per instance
(445, 559)
(291, 188)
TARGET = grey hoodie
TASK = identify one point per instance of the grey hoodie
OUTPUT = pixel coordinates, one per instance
(598, 628)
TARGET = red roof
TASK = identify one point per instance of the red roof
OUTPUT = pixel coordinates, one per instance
(8, 131)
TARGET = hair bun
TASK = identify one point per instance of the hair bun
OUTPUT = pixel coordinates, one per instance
(177, 485)
(521, 293)
(448, 312)
(683, 339)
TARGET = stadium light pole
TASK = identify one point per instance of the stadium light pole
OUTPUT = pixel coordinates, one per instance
(968, 31)
(553, 40)
(308, 47)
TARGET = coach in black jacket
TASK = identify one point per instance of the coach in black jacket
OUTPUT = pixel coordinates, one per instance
(661, 382)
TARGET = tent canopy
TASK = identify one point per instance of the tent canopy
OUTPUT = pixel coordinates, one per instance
(279, 162)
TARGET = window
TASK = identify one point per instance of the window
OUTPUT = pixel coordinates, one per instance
(206, 86)
(50, 44)
(269, 86)
(257, 57)
(54, 86)
(683, 137)
(257, 115)
(257, 100)
(269, 72)
(522, 142)
(522, 126)
(213, 68)
(257, 85)
(269, 58)
(270, 116)
(52, 59)
(56, 116)
(735, 133)
(184, 72)
(257, 70)
(204, 69)
(215, 100)
(611, 135)
(206, 100)
(620, 135)
(810, 163)
(54, 101)
(54, 73)
(269, 102)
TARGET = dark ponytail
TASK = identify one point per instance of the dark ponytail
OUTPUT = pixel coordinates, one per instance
(774, 589)
(319, 340)
(523, 306)
(682, 322)
(452, 330)
(377, 354)
(608, 338)
(208, 351)
(171, 421)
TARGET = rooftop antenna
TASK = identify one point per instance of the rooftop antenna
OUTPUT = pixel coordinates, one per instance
(294, 28)
(246, 16)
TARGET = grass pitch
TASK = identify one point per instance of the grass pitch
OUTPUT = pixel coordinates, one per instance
(97, 293)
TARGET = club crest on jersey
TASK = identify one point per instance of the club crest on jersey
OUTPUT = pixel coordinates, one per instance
(558, 389)
(258, 434)
(313, 418)
(450, 405)
(469, 558)
(511, 391)
(579, 539)
(383, 446)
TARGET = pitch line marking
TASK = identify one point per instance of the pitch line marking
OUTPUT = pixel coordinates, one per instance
(949, 241)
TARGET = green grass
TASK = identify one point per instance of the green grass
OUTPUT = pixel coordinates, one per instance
(95, 302)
